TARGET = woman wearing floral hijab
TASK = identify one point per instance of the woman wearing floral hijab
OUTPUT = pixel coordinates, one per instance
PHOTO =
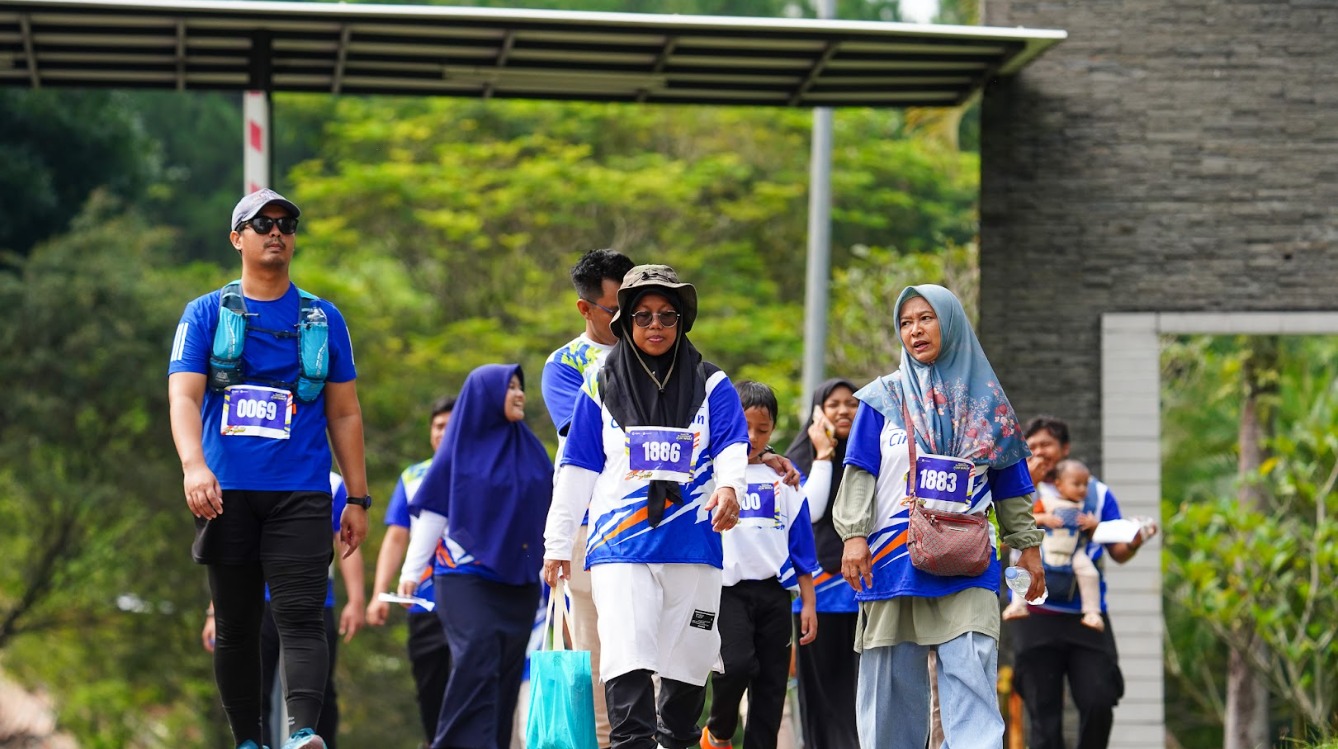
(657, 452)
(962, 422)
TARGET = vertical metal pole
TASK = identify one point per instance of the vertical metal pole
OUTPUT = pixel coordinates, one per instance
(255, 141)
(819, 239)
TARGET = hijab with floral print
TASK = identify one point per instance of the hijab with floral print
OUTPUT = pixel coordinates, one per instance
(956, 402)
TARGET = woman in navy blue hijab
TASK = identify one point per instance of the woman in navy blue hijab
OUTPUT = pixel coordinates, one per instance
(485, 499)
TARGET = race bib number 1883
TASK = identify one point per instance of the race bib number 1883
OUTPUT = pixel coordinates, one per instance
(942, 478)
(257, 411)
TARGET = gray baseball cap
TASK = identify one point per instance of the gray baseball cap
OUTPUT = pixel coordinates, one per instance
(250, 206)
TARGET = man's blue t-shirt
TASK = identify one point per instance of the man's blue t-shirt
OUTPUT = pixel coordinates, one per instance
(264, 463)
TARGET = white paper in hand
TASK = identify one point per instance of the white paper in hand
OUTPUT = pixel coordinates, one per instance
(397, 598)
(1120, 531)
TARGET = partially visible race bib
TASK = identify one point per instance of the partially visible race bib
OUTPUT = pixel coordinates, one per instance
(257, 411)
(660, 453)
(759, 502)
(944, 479)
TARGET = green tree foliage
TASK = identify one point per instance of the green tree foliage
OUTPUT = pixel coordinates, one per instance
(1225, 565)
(91, 514)
(59, 147)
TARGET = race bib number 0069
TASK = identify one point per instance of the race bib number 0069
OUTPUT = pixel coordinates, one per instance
(257, 411)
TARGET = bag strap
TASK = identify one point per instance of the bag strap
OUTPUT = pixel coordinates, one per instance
(557, 619)
(910, 448)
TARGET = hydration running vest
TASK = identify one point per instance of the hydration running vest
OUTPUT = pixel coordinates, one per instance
(313, 333)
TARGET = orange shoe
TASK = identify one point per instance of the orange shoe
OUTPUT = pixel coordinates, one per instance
(711, 742)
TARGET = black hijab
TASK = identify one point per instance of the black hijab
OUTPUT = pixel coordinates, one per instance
(627, 384)
(802, 454)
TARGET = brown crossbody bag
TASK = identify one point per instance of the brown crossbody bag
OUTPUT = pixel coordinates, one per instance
(943, 543)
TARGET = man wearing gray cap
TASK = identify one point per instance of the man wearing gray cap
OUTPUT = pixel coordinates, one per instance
(261, 386)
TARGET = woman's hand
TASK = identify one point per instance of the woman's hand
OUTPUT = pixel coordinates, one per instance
(1030, 560)
(556, 569)
(857, 563)
(726, 505)
(822, 434)
(783, 467)
(407, 588)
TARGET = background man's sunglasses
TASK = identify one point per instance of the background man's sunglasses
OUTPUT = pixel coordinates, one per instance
(262, 224)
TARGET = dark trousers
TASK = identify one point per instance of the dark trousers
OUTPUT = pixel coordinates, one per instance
(298, 599)
(1052, 647)
(430, 657)
(327, 727)
(828, 671)
(487, 626)
(632, 712)
(755, 647)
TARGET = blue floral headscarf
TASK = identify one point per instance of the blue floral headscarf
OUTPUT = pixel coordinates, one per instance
(956, 403)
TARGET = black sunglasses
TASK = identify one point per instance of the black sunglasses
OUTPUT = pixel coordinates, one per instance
(262, 224)
(668, 318)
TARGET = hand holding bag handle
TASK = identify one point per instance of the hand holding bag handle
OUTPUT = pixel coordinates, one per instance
(942, 543)
(562, 708)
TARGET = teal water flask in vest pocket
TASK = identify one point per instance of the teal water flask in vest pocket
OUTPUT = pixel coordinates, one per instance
(225, 360)
(315, 352)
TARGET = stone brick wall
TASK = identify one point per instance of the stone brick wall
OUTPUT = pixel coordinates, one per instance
(1171, 155)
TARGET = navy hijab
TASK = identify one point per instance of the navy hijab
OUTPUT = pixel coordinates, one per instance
(492, 479)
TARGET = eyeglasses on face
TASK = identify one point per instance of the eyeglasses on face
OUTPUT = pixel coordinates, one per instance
(611, 311)
(262, 224)
(668, 318)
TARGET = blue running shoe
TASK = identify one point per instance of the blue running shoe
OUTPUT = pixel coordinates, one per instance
(304, 739)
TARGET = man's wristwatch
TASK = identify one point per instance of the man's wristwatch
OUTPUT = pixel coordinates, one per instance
(363, 502)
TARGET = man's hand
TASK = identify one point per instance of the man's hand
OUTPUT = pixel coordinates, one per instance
(207, 634)
(783, 467)
(1030, 560)
(1039, 468)
(351, 619)
(407, 588)
(352, 528)
(857, 563)
(203, 495)
(726, 505)
(555, 570)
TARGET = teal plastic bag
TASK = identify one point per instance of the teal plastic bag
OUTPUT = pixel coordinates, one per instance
(562, 703)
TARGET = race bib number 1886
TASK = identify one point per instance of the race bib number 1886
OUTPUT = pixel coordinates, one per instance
(665, 453)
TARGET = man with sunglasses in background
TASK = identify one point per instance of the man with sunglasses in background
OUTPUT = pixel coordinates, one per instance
(261, 388)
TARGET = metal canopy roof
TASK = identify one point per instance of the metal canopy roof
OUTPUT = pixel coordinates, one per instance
(477, 52)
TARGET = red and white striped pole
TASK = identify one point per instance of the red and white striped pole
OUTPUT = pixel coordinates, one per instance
(255, 137)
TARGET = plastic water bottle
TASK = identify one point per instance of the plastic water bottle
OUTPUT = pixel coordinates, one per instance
(1019, 580)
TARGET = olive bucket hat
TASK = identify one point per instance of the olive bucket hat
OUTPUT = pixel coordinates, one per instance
(646, 278)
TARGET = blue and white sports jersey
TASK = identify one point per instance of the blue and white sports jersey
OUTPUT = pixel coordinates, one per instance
(774, 535)
(563, 377)
(397, 514)
(879, 447)
(263, 463)
(619, 529)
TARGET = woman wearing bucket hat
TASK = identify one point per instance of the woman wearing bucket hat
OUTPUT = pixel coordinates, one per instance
(657, 451)
(942, 424)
